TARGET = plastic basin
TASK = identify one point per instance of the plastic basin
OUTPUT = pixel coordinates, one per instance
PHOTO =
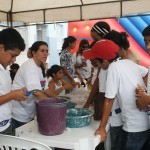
(51, 116)
(65, 97)
(71, 104)
(78, 117)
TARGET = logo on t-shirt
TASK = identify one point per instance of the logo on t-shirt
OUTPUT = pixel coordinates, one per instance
(43, 84)
(3, 123)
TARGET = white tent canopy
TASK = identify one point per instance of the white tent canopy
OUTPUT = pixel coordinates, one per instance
(42, 11)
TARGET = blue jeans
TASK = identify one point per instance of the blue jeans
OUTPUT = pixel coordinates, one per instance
(147, 144)
(114, 136)
(132, 140)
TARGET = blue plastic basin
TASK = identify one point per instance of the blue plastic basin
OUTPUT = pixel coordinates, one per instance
(78, 117)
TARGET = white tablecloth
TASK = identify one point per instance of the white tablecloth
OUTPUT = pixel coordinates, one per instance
(72, 138)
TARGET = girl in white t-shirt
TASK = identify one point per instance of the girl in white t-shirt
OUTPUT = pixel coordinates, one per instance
(31, 75)
(57, 85)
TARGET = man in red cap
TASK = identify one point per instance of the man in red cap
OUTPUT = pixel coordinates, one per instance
(122, 79)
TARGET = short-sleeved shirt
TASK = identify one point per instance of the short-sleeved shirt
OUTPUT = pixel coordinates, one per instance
(95, 74)
(122, 79)
(115, 118)
(29, 76)
(5, 109)
(148, 91)
(84, 71)
(66, 60)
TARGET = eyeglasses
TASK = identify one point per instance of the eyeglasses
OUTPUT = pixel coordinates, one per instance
(85, 47)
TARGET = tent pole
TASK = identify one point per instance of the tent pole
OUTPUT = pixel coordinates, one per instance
(10, 18)
(121, 9)
(10, 14)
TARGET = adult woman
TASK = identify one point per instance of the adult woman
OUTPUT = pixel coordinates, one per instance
(83, 66)
(67, 62)
(32, 76)
(98, 32)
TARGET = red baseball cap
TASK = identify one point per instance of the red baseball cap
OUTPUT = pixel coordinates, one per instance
(104, 49)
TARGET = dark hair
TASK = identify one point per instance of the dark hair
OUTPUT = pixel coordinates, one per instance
(34, 48)
(102, 28)
(14, 66)
(69, 39)
(53, 70)
(11, 39)
(92, 44)
(82, 42)
(146, 31)
(101, 60)
(120, 38)
(29, 49)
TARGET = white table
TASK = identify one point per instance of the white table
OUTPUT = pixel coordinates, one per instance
(72, 138)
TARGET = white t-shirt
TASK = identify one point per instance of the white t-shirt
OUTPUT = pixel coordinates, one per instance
(95, 73)
(47, 82)
(115, 119)
(148, 91)
(5, 109)
(30, 76)
(84, 71)
(122, 79)
(102, 80)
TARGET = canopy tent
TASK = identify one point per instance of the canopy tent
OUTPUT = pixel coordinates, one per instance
(50, 11)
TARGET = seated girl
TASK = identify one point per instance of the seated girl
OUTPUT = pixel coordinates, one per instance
(57, 85)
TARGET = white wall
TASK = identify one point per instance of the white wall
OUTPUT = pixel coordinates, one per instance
(53, 34)
(29, 34)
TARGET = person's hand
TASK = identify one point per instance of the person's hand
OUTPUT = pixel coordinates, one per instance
(141, 102)
(141, 95)
(19, 95)
(81, 79)
(75, 84)
(87, 105)
(89, 81)
(102, 133)
(68, 86)
(84, 64)
(140, 89)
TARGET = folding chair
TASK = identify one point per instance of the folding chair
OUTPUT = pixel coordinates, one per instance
(16, 143)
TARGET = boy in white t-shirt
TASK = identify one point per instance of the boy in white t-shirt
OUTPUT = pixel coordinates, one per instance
(11, 44)
(144, 98)
(115, 119)
(122, 79)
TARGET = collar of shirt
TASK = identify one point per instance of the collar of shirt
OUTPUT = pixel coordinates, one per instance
(2, 68)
